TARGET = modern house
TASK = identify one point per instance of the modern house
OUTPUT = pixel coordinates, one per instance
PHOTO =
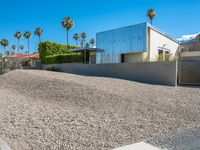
(136, 43)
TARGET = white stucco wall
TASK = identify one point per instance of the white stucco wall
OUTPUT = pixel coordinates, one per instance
(157, 40)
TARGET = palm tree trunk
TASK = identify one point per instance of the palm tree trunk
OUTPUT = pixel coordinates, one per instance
(39, 38)
(76, 42)
(28, 46)
(4, 50)
(83, 42)
(67, 36)
(18, 45)
(151, 22)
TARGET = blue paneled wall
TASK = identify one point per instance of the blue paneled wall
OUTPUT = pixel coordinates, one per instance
(121, 41)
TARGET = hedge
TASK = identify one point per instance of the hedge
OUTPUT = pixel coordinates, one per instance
(64, 58)
(54, 51)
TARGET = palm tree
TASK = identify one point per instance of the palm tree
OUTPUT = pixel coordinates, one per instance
(22, 48)
(18, 35)
(38, 32)
(83, 36)
(151, 13)
(7, 53)
(27, 35)
(4, 43)
(87, 45)
(76, 37)
(68, 24)
(198, 37)
(92, 41)
(13, 47)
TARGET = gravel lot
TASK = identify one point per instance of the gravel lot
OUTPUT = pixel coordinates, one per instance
(49, 110)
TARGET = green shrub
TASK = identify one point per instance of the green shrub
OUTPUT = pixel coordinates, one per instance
(166, 57)
(51, 53)
(64, 58)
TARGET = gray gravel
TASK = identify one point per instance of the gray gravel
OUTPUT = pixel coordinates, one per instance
(49, 110)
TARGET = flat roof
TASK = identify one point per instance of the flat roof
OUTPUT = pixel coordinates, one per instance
(88, 49)
(148, 25)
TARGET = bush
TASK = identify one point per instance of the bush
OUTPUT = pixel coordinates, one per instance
(64, 58)
(166, 57)
(51, 52)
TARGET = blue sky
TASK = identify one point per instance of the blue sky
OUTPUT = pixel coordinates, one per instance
(175, 17)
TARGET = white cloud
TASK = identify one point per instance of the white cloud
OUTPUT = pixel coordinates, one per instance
(187, 38)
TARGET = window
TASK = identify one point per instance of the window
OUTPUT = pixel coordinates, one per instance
(160, 52)
(163, 54)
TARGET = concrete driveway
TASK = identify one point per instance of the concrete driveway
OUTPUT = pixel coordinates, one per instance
(185, 140)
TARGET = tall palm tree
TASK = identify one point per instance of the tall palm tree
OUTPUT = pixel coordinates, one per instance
(68, 24)
(38, 32)
(198, 37)
(4, 43)
(22, 48)
(27, 35)
(18, 35)
(92, 41)
(151, 13)
(76, 37)
(83, 36)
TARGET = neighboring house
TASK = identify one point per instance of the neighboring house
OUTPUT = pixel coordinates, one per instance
(190, 51)
(136, 43)
(28, 60)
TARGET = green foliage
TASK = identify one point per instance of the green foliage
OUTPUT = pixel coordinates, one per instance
(27, 35)
(52, 53)
(4, 42)
(64, 58)
(151, 13)
(18, 35)
(166, 57)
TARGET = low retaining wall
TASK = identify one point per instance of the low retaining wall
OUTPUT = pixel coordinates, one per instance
(164, 73)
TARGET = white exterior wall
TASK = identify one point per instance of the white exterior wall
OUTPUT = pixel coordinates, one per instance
(157, 40)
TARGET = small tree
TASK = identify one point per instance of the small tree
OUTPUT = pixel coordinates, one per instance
(92, 41)
(22, 48)
(164, 57)
(87, 45)
(13, 47)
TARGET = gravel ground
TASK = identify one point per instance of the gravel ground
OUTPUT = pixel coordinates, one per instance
(43, 110)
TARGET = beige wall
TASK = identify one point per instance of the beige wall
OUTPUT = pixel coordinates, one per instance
(165, 72)
(157, 40)
(135, 57)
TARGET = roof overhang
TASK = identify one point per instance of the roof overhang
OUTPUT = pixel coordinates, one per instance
(162, 33)
(85, 49)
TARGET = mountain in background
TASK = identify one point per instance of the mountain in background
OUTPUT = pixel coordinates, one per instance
(187, 38)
